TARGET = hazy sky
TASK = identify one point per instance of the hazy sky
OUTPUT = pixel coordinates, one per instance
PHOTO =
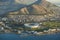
(57, 2)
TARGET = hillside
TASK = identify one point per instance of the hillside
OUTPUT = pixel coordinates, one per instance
(36, 12)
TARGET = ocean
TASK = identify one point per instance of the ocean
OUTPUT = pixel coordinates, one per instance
(30, 37)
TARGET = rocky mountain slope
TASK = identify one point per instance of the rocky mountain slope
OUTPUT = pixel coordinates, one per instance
(40, 8)
(35, 12)
(12, 5)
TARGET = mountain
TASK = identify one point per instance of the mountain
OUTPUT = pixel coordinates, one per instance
(12, 5)
(52, 7)
(33, 9)
(40, 10)
(39, 7)
(25, 2)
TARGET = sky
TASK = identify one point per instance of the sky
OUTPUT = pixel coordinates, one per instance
(57, 2)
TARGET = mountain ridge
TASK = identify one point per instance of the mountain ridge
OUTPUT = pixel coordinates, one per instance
(37, 7)
(35, 13)
(40, 7)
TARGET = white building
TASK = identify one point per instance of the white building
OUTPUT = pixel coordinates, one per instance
(1, 28)
(4, 19)
(31, 25)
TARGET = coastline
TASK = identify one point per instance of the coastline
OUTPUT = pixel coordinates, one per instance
(32, 33)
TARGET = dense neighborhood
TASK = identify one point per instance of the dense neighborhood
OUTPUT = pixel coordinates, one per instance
(30, 24)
